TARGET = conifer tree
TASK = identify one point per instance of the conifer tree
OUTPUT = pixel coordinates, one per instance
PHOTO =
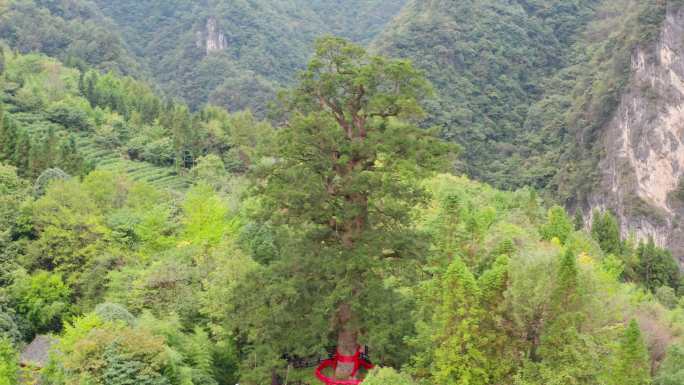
(500, 348)
(8, 136)
(567, 356)
(459, 356)
(656, 267)
(22, 151)
(563, 320)
(89, 88)
(69, 158)
(578, 220)
(341, 190)
(632, 366)
(605, 230)
(558, 224)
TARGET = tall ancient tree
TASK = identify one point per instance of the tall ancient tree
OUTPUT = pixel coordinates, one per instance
(341, 191)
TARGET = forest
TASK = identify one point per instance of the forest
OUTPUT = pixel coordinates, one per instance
(366, 195)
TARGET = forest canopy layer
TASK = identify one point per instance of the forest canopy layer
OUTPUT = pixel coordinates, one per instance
(399, 191)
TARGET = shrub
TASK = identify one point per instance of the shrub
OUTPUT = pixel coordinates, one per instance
(387, 376)
(112, 312)
(47, 177)
(70, 116)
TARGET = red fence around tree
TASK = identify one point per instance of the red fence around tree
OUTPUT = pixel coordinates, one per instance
(359, 361)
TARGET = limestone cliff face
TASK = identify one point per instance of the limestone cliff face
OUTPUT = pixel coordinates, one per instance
(643, 161)
(211, 39)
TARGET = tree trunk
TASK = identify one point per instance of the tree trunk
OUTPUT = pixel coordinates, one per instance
(274, 378)
(346, 342)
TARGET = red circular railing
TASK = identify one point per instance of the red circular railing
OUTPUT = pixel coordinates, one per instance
(358, 361)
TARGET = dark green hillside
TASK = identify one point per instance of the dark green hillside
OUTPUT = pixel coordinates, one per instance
(158, 238)
(580, 100)
(358, 20)
(489, 61)
(74, 31)
(266, 42)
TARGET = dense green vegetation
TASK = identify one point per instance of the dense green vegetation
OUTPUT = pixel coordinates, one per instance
(74, 31)
(525, 86)
(163, 240)
(266, 42)
(581, 98)
(61, 117)
(489, 60)
(341, 228)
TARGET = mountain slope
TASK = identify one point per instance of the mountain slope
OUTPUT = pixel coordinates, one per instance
(489, 60)
(581, 99)
(236, 53)
(233, 53)
(640, 173)
(74, 31)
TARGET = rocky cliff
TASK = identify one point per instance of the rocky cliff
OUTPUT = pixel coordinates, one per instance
(212, 38)
(643, 160)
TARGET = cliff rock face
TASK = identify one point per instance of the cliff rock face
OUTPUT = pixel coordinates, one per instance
(643, 162)
(212, 38)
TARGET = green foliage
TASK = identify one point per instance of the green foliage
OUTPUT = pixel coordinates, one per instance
(463, 340)
(72, 117)
(666, 296)
(72, 31)
(83, 119)
(113, 354)
(558, 225)
(565, 354)
(154, 351)
(68, 228)
(8, 324)
(206, 220)
(13, 193)
(605, 230)
(671, 372)
(354, 156)
(45, 178)
(9, 363)
(193, 351)
(41, 301)
(263, 50)
(111, 312)
(489, 61)
(578, 220)
(458, 355)
(344, 237)
(166, 287)
(244, 74)
(8, 137)
(210, 169)
(563, 350)
(387, 376)
(631, 360)
(122, 370)
(656, 266)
